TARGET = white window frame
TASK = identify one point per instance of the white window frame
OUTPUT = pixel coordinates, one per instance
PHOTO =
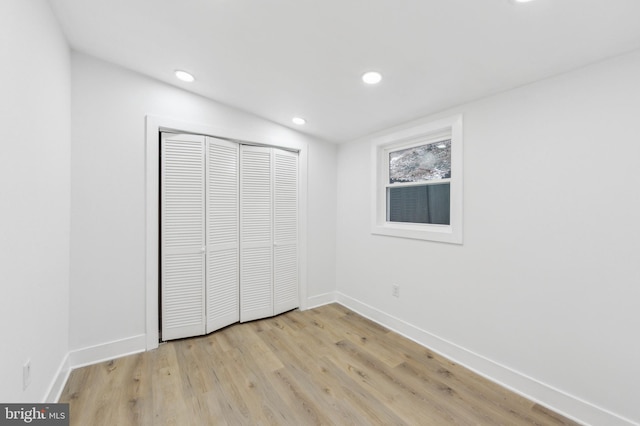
(442, 129)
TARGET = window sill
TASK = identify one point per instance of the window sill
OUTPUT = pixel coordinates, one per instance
(439, 233)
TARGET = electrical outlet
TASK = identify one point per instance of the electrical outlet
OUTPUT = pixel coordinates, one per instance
(26, 374)
(395, 290)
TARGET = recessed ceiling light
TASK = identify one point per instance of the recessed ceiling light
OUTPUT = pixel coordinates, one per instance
(372, 77)
(184, 76)
(299, 121)
(521, 1)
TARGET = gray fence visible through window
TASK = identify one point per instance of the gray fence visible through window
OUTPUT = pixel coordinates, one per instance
(419, 204)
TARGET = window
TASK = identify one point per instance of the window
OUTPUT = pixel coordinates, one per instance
(418, 182)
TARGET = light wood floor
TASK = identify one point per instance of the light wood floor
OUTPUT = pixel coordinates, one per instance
(325, 366)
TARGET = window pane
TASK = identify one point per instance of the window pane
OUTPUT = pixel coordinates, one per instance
(419, 204)
(421, 163)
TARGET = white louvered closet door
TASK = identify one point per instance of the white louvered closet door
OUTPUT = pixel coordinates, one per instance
(256, 235)
(222, 234)
(182, 235)
(285, 233)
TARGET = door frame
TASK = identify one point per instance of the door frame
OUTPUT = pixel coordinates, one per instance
(155, 125)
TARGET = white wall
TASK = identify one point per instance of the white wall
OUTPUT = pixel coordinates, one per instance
(543, 295)
(109, 105)
(322, 223)
(34, 198)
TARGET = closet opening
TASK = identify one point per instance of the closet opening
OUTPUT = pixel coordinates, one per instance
(228, 226)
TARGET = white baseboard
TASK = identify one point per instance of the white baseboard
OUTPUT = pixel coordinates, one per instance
(107, 351)
(543, 394)
(91, 355)
(321, 299)
(59, 381)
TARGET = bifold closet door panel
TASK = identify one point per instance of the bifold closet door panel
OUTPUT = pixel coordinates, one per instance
(256, 238)
(285, 236)
(182, 235)
(222, 289)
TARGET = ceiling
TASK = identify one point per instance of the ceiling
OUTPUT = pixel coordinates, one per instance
(283, 58)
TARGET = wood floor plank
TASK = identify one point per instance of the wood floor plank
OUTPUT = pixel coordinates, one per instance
(326, 366)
